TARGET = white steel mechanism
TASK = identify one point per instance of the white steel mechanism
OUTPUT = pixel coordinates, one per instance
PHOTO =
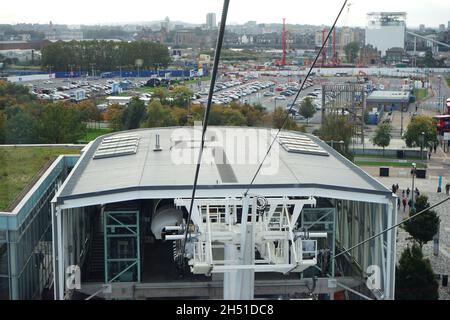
(239, 237)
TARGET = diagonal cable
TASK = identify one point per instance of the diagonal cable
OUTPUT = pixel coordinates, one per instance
(207, 111)
(390, 228)
(296, 97)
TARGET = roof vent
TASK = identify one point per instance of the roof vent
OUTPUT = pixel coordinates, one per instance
(157, 145)
(116, 146)
(300, 144)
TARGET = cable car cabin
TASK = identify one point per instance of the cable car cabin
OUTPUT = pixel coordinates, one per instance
(442, 123)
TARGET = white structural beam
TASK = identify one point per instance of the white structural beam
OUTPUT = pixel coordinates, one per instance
(99, 199)
(428, 39)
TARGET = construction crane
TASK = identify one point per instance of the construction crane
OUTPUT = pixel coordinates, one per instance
(334, 58)
(282, 62)
(324, 52)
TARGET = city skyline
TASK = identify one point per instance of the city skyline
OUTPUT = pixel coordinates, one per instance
(322, 12)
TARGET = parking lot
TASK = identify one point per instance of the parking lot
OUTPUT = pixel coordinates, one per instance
(268, 91)
(68, 89)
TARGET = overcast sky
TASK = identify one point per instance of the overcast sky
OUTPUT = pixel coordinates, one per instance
(317, 12)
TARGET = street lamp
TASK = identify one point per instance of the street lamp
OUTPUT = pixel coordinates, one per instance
(71, 66)
(413, 173)
(439, 95)
(422, 141)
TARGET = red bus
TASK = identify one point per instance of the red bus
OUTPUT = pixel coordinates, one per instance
(442, 123)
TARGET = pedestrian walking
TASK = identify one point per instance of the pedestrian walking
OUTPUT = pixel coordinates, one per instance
(435, 147)
(404, 202)
(429, 155)
(417, 193)
(393, 188)
(447, 188)
(396, 188)
(408, 192)
(398, 203)
(403, 193)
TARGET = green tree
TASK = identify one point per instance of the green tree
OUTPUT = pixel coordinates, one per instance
(182, 96)
(61, 124)
(21, 129)
(338, 129)
(383, 135)
(160, 93)
(307, 109)
(159, 116)
(88, 111)
(413, 134)
(105, 55)
(13, 94)
(114, 116)
(134, 114)
(279, 116)
(180, 115)
(233, 117)
(429, 61)
(423, 227)
(254, 114)
(2, 126)
(351, 51)
(415, 279)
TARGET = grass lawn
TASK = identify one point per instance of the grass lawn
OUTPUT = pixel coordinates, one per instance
(16, 67)
(92, 134)
(385, 157)
(145, 90)
(421, 93)
(388, 164)
(18, 166)
(195, 81)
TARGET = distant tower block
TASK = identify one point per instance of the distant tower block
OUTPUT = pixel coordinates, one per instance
(386, 30)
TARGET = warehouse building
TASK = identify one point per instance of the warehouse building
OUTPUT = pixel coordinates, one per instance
(386, 101)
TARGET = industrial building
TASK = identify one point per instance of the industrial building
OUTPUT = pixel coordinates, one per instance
(386, 30)
(119, 213)
(388, 100)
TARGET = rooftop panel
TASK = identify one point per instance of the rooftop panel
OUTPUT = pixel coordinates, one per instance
(311, 163)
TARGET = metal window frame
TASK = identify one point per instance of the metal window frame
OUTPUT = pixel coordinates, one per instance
(134, 234)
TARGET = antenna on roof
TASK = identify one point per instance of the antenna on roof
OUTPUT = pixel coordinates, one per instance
(157, 146)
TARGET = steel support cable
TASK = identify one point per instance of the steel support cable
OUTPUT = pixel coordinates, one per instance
(297, 96)
(206, 115)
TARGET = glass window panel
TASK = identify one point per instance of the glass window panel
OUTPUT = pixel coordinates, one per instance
(4, 288)
(3, 259)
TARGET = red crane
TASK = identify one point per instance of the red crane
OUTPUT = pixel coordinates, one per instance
(334, 58)
(334, 62)
(324, 51)
(283, 58)
(282, 62)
